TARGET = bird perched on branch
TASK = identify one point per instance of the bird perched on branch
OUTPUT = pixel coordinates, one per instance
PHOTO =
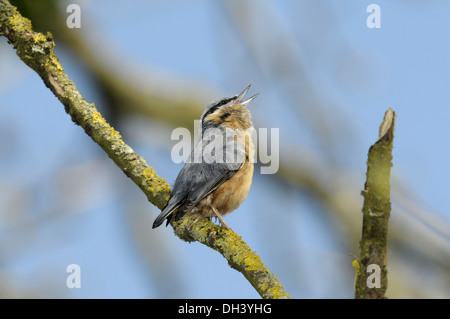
(218, 174)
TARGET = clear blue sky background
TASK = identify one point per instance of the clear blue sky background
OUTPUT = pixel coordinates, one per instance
(404, 65)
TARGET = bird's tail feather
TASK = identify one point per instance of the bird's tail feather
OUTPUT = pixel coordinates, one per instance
(165, 214)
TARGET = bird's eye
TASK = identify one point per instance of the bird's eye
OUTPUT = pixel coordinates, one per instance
(225, 116)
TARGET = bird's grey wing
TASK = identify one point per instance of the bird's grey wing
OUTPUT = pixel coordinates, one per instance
(206, 178)
(203, 174)
(221, 156)
(194, 182)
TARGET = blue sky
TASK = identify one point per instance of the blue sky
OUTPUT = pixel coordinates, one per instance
(358, 73)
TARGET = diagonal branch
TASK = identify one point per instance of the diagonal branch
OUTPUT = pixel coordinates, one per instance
(36, 51)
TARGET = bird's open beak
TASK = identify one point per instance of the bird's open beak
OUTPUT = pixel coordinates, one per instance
(241, 96)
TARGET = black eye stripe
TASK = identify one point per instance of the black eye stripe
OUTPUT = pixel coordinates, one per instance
(223, 102)
(211, 110)
(225, 116)
(215, 107)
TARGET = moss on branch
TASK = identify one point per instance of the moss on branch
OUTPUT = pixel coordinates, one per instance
(36, 50)
(235, 251)
(376, 212)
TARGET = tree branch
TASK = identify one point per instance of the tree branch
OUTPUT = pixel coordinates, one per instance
(36, 50)
(376, 211)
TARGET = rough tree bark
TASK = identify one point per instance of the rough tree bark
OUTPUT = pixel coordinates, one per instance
(371, 267)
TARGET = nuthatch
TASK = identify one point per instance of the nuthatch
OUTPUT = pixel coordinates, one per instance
(217, 177)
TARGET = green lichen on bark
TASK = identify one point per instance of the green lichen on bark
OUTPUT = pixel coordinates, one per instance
(36, 50)
(236, 252)
(376, 212)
